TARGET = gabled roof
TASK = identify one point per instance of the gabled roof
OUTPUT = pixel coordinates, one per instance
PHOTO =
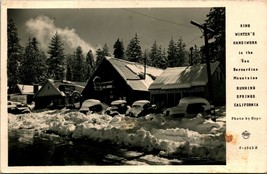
(51, 88)
(183, 77)
(133, 72)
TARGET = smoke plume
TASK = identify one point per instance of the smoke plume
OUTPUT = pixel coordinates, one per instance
(43, 28)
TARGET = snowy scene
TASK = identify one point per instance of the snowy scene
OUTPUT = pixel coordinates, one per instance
(152, 139)
(116, 86)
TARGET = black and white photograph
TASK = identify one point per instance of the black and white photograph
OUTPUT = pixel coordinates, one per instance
(116, 86)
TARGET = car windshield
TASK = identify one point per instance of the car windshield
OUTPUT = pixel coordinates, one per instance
(182, 104)
(136, 106)
(114, 108)
(195, 108)
(96, 108)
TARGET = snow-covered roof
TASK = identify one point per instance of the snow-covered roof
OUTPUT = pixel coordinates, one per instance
(55, 88)
(133, 72)
(78, 85)
(27, 89)
(183, 77)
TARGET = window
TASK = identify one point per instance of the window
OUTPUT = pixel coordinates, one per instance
(195, 108)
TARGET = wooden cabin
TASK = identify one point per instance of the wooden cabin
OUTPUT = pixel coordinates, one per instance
(117, 79)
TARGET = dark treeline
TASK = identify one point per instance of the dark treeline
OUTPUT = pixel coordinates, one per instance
(30, 65)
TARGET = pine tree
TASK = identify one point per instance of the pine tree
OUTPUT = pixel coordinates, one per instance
(147, 57)
(216, 21)
(118, 49)
(163, 61)
(90, 64)
(101, 53)
(105, 50)
(134, 52)
(99, 56)
(14, 53)
(56, 61)
(40, 64)
(172, 53)
(78, 70)
(33, 68)
(182, 54)
(69, 73)
(42, 67)
(154, 55)
(34, 43)
(27, 69)
(70, 63)
(196, 55)
(158, 57)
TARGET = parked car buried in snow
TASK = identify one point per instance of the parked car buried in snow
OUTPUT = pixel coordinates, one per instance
(142, 108)
(117, 107)
(189, 107)
(92, 106)
(17, 108)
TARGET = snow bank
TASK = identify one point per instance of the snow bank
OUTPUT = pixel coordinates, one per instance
(194, 137)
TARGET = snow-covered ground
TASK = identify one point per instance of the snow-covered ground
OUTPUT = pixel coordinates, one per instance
(194, 137)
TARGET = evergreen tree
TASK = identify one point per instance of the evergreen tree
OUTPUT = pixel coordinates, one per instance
(172, 55)
(101, 53)
(27, 69)
(33, 68)
(182, 54)
(34, 43)
(78, 71)
(56, 61)
(163, 61)
(105, 50)
(196, 55)
(90, 64)
(216, 21)
(99, 56)
(70, 63)
(14, 53)
(147, 57)
(134, 52)
(158, 57)
(69, 73)
(40, 64)
(154, 55)
(42, 67)
(118, 49)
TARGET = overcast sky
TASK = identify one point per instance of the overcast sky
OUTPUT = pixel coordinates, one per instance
(92, 28)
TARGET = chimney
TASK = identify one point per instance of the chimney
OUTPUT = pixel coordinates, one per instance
(145, 66)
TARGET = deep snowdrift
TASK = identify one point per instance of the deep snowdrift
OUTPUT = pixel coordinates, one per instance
(195, 137)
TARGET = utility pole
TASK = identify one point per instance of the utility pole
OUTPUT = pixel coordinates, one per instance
(191, 56)
(206, 31)
(145, 57)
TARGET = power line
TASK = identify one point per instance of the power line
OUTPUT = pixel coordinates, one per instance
(160, 19)
(193, 40)
(164, 20)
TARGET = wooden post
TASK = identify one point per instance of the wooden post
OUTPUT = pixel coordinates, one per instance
(206, 31)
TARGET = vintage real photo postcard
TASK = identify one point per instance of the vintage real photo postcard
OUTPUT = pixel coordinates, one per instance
(133, 86)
